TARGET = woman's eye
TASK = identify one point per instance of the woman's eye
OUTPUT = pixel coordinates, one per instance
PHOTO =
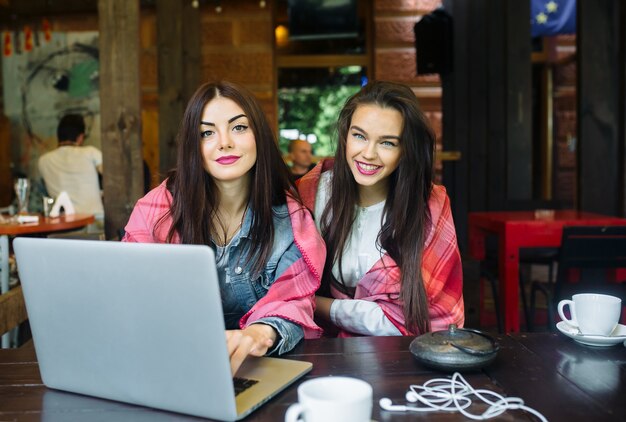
(389, 144)
(358, 136)
(240, 128)
(206, 133)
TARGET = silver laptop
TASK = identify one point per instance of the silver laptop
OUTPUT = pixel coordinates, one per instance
(139, 323)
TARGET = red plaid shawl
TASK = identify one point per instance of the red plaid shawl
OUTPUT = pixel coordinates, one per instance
(291, 296)
(441, 265)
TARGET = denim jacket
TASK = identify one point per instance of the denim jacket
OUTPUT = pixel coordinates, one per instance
(241, 288)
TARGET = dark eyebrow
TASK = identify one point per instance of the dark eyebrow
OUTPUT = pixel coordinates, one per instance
(358, 128)
(232, 119)
(397, 138)
(382, 137)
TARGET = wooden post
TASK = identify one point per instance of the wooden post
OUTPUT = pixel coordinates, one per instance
(192, 60)
(601, 80)
(6, 179)
(170, 71)
(518, 91)
(120, 110)
(487, 108)
(179, 71)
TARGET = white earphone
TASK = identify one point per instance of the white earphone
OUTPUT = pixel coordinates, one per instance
(411, 396)
(386, 404)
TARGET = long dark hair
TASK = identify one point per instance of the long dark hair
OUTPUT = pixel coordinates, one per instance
(195, 195)
(406, 214)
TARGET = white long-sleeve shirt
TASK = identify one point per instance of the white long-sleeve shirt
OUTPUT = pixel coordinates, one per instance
(360, 254)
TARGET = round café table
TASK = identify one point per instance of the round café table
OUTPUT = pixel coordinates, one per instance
(45, 225)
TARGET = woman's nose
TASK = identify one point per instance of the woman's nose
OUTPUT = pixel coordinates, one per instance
(369, 151)
(225, 141)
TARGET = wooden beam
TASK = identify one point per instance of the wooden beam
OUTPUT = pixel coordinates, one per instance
(518, 86)
(120, 110)
(6, 178)
(601, 79)
(12, 309)
(170, 71)
(322, 60)
(456, 121)
(486, 103)
(192, 57)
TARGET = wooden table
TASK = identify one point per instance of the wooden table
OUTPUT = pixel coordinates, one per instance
(523, 229)
(43, 226)
(563, 380)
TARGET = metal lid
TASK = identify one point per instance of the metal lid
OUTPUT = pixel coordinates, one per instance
(455, 349)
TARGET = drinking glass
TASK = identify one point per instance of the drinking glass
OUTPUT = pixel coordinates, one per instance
(22, 191)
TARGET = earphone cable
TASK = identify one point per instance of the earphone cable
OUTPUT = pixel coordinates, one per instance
(454, 394)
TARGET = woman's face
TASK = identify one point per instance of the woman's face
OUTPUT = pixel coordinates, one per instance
(373, 146)
(228, 145)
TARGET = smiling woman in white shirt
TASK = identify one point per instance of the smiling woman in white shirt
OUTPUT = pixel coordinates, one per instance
(393, 266)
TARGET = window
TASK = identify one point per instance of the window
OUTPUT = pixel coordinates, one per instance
(316, 75)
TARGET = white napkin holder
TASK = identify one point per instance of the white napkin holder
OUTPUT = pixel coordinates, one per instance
(25, 219)
(62, 201)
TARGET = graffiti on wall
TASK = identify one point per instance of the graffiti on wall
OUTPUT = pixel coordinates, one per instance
(43, 83)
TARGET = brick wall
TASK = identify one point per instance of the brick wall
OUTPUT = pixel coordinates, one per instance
(394, 56)
(237, 45)
(394, 47)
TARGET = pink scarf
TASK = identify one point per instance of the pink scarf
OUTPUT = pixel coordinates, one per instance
(441, 265)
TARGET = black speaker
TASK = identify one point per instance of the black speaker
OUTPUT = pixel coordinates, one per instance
(434, 43)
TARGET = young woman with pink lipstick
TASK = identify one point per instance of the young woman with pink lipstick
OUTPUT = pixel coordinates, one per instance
(393, 265)
(231, 190)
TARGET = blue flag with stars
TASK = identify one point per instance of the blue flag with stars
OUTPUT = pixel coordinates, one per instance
(552, 17)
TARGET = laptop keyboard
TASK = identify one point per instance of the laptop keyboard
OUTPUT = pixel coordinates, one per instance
(242, 384)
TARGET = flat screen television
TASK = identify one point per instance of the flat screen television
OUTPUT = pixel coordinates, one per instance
(322, 19)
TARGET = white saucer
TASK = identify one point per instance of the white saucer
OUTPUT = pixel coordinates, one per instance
(617, 336)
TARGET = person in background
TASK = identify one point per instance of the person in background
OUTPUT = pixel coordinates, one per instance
(74, 168)
(393, 265)
(231, 190)
(301, 155)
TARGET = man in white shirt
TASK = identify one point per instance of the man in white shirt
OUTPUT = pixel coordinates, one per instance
(74, 168)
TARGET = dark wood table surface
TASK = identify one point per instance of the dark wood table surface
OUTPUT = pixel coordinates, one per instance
(563, 380)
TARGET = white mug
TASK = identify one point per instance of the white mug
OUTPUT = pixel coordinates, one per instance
(330, 399)
(592, 313)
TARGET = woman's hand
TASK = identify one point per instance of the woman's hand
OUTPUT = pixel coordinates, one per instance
(254, 340)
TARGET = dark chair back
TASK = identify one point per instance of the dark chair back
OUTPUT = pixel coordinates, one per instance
(592, 251)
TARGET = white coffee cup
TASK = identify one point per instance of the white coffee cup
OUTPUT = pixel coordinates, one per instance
(329, 399)
(593, 314)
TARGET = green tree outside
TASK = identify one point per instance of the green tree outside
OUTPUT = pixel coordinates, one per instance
(313, 110)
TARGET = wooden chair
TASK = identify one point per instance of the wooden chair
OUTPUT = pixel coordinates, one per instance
(593, 251)
(12, 309)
